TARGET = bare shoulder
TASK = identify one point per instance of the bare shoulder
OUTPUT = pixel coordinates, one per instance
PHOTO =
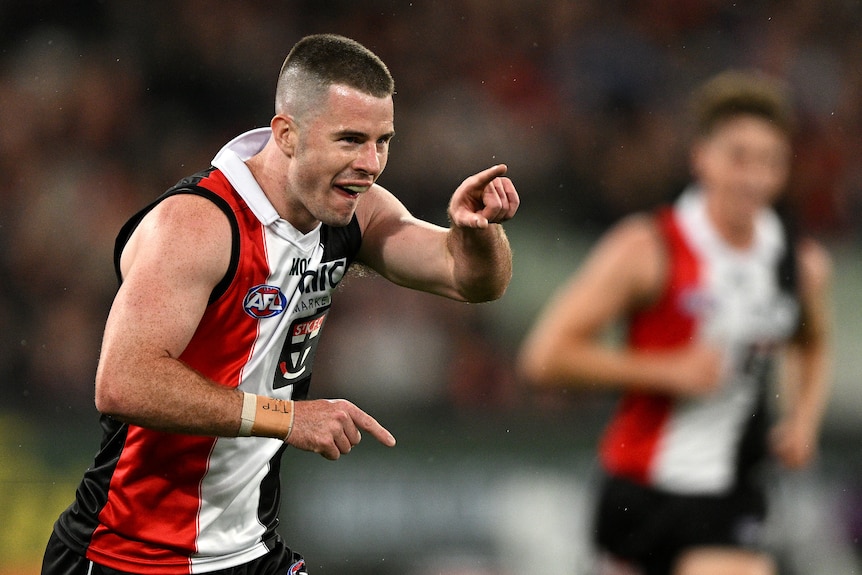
(621, 273)
(633, 251)
(379, 205)
(185, 230)
(189, 213)
(637, 231)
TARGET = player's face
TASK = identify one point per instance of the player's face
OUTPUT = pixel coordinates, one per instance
(340, 153)
(744, 163)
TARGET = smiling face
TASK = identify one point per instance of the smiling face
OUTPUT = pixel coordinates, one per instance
(743, 164)
(336, 154)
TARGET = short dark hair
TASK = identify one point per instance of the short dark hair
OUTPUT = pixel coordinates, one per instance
(318, 61)
(737, 92)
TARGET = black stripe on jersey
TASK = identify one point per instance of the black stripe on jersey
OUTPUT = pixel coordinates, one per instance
(76, 525)
(341, 242)
(270, 496)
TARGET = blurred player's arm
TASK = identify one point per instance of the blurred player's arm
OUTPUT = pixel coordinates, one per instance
(469, 261)
(565, 347)
(809, 357)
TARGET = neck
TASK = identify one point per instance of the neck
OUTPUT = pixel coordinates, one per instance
(734, 225)
(273, 185)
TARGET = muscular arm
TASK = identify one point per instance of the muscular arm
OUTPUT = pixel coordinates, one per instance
(176, 256)
(470, 261)
(626, 270)
(807, 381)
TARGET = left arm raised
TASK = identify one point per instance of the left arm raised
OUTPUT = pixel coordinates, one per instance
(470, 261)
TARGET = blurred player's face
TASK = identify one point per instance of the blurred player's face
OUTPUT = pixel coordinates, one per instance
(340, 152)
(743, 164)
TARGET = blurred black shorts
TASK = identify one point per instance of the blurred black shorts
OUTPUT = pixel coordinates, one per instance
(650, 528)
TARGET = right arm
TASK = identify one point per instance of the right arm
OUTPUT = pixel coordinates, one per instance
(625, 271)
(170, 265)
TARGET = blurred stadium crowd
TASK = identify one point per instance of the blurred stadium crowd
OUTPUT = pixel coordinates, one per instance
(106, 104)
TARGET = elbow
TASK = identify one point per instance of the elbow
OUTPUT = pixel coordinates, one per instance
(534, 370)
(109, 397)
(489, 294)
(107, 402)
(500, 284)
(487, 290)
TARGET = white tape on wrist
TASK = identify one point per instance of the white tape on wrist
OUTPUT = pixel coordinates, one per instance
(249, 408)
(292, 418)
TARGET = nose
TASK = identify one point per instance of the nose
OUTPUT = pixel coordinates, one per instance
(763, 175)
(369, 159)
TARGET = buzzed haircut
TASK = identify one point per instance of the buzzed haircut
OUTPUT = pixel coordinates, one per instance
(318, 61)
(736, 92)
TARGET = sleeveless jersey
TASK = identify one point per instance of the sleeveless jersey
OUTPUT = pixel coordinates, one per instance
(161, 503)
(741, 301)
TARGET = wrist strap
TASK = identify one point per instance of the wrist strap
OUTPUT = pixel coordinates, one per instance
(273, 418)
(249, 407)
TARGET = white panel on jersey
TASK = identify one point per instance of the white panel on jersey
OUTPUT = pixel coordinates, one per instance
(746, 317)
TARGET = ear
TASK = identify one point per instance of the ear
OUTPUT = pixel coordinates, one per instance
(284, 132)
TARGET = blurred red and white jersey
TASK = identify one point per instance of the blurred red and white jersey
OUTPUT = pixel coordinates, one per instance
(740, 301)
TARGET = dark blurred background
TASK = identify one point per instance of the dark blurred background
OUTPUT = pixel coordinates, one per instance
(103, 105)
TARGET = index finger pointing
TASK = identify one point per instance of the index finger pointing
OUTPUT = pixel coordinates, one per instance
(486, 176)
(367, 423)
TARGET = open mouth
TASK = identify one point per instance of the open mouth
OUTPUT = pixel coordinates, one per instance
(353, 191)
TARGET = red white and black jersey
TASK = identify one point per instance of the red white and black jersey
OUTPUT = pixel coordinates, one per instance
(161, 503)
(741, 301)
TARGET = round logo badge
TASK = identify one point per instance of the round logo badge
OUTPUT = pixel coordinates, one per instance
(264, 301)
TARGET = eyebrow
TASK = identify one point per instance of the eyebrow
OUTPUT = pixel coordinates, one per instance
(364, 135)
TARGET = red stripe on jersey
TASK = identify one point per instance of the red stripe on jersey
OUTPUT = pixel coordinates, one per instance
(157, 503)
(224, 320)
(629, 444)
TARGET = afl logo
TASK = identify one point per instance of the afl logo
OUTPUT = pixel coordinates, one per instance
(264, 301)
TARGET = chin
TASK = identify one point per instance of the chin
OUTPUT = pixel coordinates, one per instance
(337, 220)
(752, 201)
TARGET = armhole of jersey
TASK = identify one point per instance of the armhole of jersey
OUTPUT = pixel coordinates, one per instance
(787, 269)
(130, 226)
(356, 234)
(788, 276)
(348, 238)
(788, 266)
(665, 231)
